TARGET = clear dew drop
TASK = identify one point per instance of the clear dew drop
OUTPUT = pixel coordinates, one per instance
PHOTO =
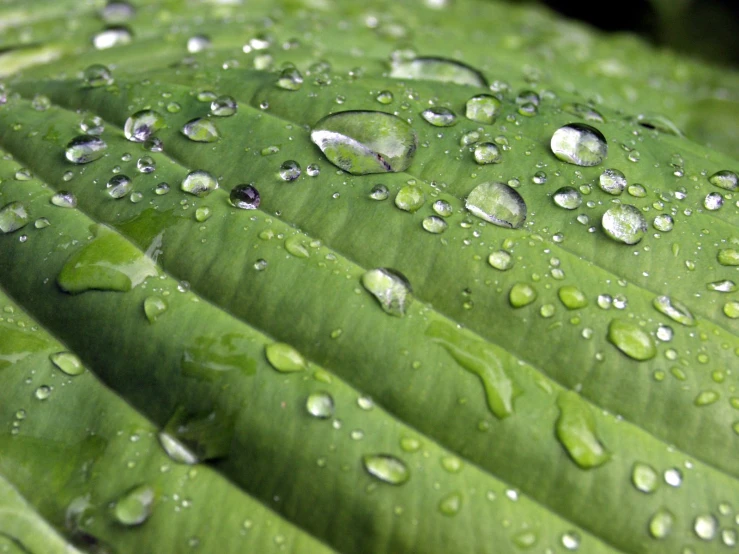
(112, 37)
(67, 362)
(43, 392)
(705, 526)
(199, 183)
(497, 203)
(576, 431)
(198, 43)
(572, 297)
(624, 223)
(177, 452)
(290, 170)
(673, 477)
(201, 130)
(92, 125)
(724, 285)
(362, 142)
(384, 97)
(320, 404)
(665, 333)
(521, 294)
(579, 144)
(439, 116)
(500, 260)
(663, 223)
(386, 468)
(85, 149)
(442, 208)
(437, 69)
(313, 170)
(644, 477)
(245, 197)
(284, 358)
(434, 224)
(571, 540)
(728, 257)
(451, 504)
(487, 153)
(118, 186)
(673, 309)
(391, 289)
(379, 192)
(224, 106)
(612, 181)
(154, 307)
(146, 164)
(97, 75)
(290, 79)
(134, 507)
(568, 198)
(13, 216)
(632, 340)
(725, 179)
(706, 398)
(410, 198)
(525, 539)
(660, 524)
(713, 201)
(140, 126)
(64, 199)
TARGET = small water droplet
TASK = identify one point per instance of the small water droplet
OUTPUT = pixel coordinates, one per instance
(140, 126)
(644, 477)
(660, 524)
(199, 183)
(630, 339)
(290, 79)
(673, 477)
(154, 307)
(487, 153)
(391, 289)
(13, 216)
(663, 223)
(706, 398)
(674, 310)
(198, 43)
(201, 130)
(68, 362)
(439, 116)
(434, 224)
(118, 186)
(64, 199)
(665, 333)
(284, 358)
(576, 431)
(497, 203)
(146, 164)
(572, 297)
(724, 285)
(290, 170)
(624, 223)
(97, 75)
(568, 198)
(134, 507)
(111, 37)
(450, 504)
(500, 260)
(571, 540)
(521, 294)
(379, 192)
(579, 144)
(612, 181)
(713, 201)
(728, 257)
(384, 97)
(43, 392)
(437, 69)
(583, 111)
(386, 468)
(410, 198)
(245, 197)
(705, 526)
(85, 149)
(320, 404)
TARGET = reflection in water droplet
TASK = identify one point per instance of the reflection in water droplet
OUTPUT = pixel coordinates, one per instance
(68, 362)
(118, 186)
(13, 216)
(245, 197)
(379, 192)
(134, 507)
(482, 108)
(579, 144)
(439, 116)
(198, 43)
(362, 142)
(725, 179)
(142, 125)
(201, 130)
(660, 525)
(442, 208)
(632, 340)
(612, 181)
(673, 477)
(290, 170)
(320, 405)
(674, 310)
(199, 183)
(384, 97)
(722, 286)
(568, 198)
(624, 223)
(434, 224)
(497, 203)
(713, 201)
(223, 106)
(391, 289)
(571, 540)
(487, 153)
(177, 451)
(664, 223)
(387, 468)
(85, 149)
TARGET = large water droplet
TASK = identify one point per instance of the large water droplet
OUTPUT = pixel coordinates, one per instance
(391, 289)
(661, 523)
(568, 198)
(118, 186)
(320, 404)
(705, 526)
(632, 340)
(68, 362)
(437, 69)
(713, 201)
(387, 468)
(134, 507)
(674, 310)
(497, 203)
(410, 198)
(521, 294)
(576, 431)
(483, 108)
(13, 216)
(284, 358)
(201, 130)
(245, 197)
(664, 223)
(501, 260)
(142, 125)
(482, 360)
(84, 149)
(579, 144)
(487, 153)
(725, 179)
(572, 297)
(624, 223)
(199, 183)
(362, 142)
(439, 116)
(612, 181)
(644, 477)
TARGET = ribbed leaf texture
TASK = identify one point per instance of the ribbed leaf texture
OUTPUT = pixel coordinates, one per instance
(476, 347)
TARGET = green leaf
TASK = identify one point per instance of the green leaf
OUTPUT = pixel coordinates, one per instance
(556, 378)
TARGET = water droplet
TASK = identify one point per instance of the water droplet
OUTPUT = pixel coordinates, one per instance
(664, 223)
(384, 97)
(297, 245)
(203, 213)
(664, 333)
(290, 79)
(161, 189)
(521, 294)
(579, 144)
(117, 12)
(439, 116)
(111, 37)
(450, 504)
(43, 392)
(245, 197)
(624, 223)
(198, 43)
(568, 198)
(525, 539)
(725, 179)
(482, 360)
(731, 309)
(379, 192)
(661, 523)
(13, 216)
(134, 507)
(68, 362)
(201, 130)
(497, 203)
(290, 170)
(284, 358)
(576, 431)
(713, 201)
(630, 339)
(674, 310)
(487, 153)
(85, 149)
(442, 208)
(572, 297)
(387, 468)
(434, 224)
(644, 477)
(391, 289)
(728, 257)
(199, 183)
(583, 111)
(673, 477)
(724, 285)
(706, 398)
(501, 260)
(142, 125)
(362, 142)
(571, 540)
(705, 526)
(209, 358)
(320, 405)
(437, 69)
(177, 451)
(97, 75)
(41, 223)
(154, 307)
(410, 198)
(118, 186)
(365, 403)
(64, 199)
(612, 181)
(146, 164)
